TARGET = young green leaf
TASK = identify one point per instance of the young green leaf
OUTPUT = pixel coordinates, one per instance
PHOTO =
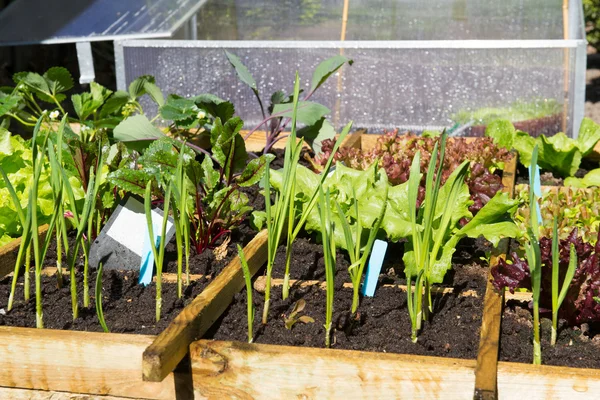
(326, 68)
(242, 71)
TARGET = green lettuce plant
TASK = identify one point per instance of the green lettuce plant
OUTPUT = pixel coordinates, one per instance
(575, 208)
(559, 153)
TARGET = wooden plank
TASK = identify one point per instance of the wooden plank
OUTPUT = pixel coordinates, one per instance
(256, 141)
(78, 362)
(541, 382)
(354, 140)
(8, 252)
(487, 355)
(370, 140)
(167, 277)
(260, 284)
(169, 348)
(31, 394)
(258, 371)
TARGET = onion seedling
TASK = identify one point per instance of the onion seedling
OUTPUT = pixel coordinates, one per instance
(557, 298)
(329, 255)
(353, 244)
(534, 258)
(429, 227)
(87, 241)
(247, 278)
(181, 222)
(283, 202)
(293, 227)
(284, 215)
(99, 311)
(24, 247)
(29, 221)
(80, 221)
(159, 254)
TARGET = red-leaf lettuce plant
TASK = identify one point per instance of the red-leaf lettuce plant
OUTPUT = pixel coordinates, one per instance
(395, 153)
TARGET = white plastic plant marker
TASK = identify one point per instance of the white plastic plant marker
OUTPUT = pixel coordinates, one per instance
(374, 267)
(120, 244)
(537, 188)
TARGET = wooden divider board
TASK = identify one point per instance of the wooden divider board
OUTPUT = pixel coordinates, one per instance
(8, 252)
(487, 355)
(169, 348)
(224, 370)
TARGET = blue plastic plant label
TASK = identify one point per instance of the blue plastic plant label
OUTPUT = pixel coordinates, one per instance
(147, 264)
(537, 187)
(374, 267)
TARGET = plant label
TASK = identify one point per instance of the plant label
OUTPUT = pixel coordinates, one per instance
(374, 267)
(537, 188)
(120, 244)
(147, 264)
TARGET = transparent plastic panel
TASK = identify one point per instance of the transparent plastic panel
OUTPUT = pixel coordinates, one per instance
(414, 89)
(381, 19)
(66, 21)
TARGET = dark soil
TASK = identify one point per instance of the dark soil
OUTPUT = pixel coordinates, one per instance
(575, 347)
(382, 322)
(548, 178)
(307, 261)
(128, 307)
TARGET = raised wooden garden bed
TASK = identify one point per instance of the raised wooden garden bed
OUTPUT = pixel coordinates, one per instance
(140, 366)
(223, 369)
(120, 365)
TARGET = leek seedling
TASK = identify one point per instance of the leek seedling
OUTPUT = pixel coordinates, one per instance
(329, 255)
(29, 222)
(55, 159)
(182, 222)
(25, 246)
(39, 253)
(557, 298)
(99, 311)
(293, 227)
(80, 221)
(247, 277)
(87, 241)
(159, 254)
(284, 212)
(429, 231)
(276, 221)
(353, 244)
(534, 258)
